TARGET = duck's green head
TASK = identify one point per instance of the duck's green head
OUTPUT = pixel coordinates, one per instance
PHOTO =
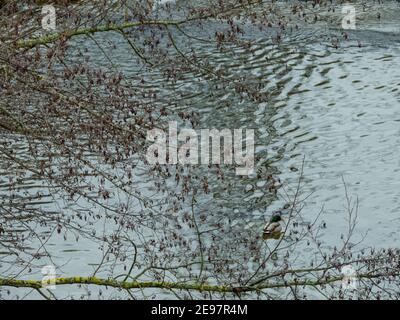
(276, 218)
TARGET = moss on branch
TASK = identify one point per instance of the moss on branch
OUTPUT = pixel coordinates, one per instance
(51, 38)
(37, 284)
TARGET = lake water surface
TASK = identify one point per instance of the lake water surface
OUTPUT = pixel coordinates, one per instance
(337, 108)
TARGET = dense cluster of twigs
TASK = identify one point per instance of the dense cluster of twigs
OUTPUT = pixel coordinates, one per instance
(73, 139)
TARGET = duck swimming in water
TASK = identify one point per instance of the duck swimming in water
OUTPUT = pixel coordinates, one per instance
(273, 229)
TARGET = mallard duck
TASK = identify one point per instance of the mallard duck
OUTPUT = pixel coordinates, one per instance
(273, 229)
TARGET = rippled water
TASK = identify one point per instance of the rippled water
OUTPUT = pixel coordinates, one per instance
(337, 107)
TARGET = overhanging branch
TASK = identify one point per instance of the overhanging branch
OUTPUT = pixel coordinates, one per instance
(28, 44)
(37, 284)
